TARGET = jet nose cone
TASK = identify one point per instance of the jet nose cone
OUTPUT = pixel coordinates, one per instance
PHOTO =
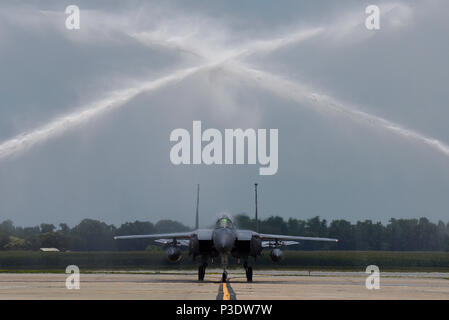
(223, 240)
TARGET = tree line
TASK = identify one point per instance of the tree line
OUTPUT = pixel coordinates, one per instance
(88, 235)
(93, 235)
(397, 235)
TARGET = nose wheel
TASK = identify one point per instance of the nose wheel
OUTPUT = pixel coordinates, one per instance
(224, 276)
(224, 264)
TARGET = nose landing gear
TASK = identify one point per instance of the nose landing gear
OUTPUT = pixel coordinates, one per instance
(224, 276)
(224, 264)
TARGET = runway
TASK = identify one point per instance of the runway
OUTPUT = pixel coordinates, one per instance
(267, 285)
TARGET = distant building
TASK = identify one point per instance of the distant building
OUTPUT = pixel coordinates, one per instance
(49, 249)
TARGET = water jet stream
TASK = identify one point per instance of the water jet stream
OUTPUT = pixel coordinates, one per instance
(114, 100)
(305, 96)
(284, 88)
(119, 98)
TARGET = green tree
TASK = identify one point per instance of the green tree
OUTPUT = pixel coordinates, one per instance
(137, 227)
(54, 240)
(274, 225)
(344, 232)
(64, 228)
(15, 243)
(45, 227)
(4, 240)
(92, 234)
(243, 221)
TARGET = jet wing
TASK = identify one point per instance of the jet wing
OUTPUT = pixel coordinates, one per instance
(279, 237)
(178, 235)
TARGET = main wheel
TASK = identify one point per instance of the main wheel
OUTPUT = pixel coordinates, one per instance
(249, 274)
(201, 273)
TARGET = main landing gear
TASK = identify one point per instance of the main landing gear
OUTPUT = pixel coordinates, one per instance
(202, 271)
(249, 272)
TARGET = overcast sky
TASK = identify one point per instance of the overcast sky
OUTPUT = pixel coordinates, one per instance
(115, 165)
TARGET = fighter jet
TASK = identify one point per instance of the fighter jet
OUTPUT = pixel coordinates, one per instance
(223, 241)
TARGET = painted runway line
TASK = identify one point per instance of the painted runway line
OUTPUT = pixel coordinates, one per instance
(225, 292)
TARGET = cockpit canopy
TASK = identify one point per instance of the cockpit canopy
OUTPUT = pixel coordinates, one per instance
(224, 222)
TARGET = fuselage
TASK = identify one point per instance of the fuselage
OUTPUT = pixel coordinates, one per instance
(224, 240)
(224, 236)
